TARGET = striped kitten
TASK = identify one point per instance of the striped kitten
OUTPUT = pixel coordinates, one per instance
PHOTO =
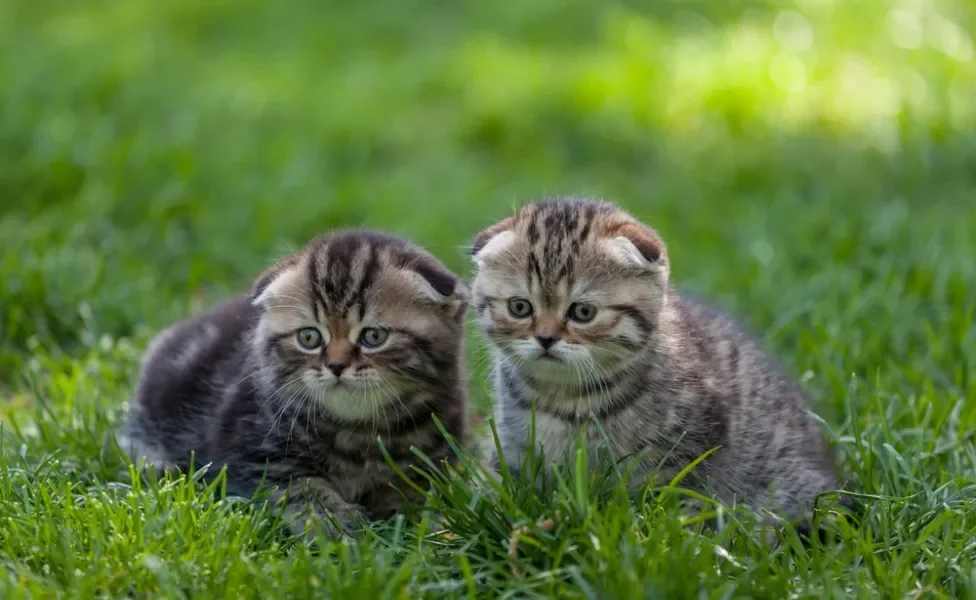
(357, 336)
(574, 298)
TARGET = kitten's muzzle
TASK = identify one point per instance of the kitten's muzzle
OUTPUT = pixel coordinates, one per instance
(337, 367)
(546, 341)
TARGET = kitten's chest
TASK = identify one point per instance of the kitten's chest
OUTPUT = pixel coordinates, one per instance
(553, 436)
(354, 479)
(557, 438)
(613, 439)
(354, 461)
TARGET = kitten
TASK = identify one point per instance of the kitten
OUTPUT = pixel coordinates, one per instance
(574, 298)
(357, 336)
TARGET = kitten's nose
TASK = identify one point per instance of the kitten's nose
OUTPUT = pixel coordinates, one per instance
(546, 340)
(337, 367)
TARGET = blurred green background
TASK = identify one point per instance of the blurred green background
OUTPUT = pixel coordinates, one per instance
(811, 164)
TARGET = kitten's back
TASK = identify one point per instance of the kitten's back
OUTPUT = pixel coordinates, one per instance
(727, 343)
(769, 426)
(180, 381)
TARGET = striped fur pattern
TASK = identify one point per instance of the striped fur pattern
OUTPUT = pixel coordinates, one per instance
(574, 298)
(357, 337)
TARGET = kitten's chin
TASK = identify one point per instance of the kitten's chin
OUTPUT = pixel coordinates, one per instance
(331, 385)
(566, 370)
(348, 399)
(351, 402)
(554, 368)
(549, 370)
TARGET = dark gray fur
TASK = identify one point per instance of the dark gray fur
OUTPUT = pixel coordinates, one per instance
(208, 386)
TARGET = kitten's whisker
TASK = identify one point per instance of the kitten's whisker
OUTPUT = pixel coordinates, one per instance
(310, 424)
(254, 373)
(406, 410)
(369, 398)
(480, 361)
(272, 397)
(288, 383)
(374, 408)
(484, 364)
(294, 298)
(284, 408)
(291, 306)
(281, 413)
(300, 411)
(580, 373)
(590, 374)
(604, 376)
(303, 303)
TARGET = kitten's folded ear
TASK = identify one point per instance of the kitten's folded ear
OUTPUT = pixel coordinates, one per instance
(447, 288)
(639, 245)
(491, 240)
(273, 279)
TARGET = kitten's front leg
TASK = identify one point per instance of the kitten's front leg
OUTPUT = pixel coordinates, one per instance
(385, 502)
(313, 502)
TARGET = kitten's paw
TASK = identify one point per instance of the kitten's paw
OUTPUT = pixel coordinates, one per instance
(313, 507)
(314, 525)
(386, 502)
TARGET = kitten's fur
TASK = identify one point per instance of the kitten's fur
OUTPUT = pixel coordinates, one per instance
(668, 377)
(235, 386)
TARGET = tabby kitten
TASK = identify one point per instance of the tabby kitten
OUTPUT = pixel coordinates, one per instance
(574, 298)
(356, 337)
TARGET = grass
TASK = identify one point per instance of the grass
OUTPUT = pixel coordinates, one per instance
(810, 164)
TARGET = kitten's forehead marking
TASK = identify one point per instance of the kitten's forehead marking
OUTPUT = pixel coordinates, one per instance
(341, 273)
(366, 277)
(556, 234)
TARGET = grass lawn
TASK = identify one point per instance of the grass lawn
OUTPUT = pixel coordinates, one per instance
(811, 164)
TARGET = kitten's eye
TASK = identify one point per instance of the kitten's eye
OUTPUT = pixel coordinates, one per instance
(581, 312)
(519, 307)
(309, 338)
(371, 337)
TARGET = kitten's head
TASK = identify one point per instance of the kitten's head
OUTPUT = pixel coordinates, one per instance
(356, 322)
(569, 289)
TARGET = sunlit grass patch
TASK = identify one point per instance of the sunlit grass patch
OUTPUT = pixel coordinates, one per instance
(770, 73)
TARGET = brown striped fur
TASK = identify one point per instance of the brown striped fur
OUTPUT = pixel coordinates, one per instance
(668, 377)
(235, 386)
